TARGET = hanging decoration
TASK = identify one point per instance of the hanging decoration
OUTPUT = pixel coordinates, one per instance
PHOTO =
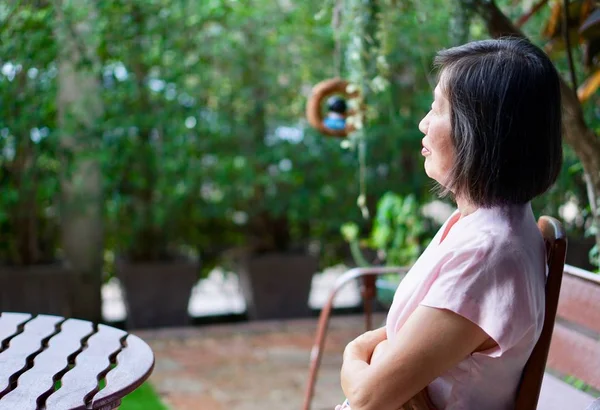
(335, 92)
(343, 98)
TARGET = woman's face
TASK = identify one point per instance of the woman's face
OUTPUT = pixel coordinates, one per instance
(437, 143)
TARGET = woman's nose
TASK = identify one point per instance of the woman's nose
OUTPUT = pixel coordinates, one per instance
(424, 124)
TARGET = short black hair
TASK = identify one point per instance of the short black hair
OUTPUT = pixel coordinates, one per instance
(337, 104)
(505, 108)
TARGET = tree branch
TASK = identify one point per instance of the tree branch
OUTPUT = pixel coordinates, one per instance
(75, 37)
(565, 32)
(577, 134)
(525, 17)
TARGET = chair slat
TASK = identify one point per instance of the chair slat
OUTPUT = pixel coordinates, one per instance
(82, 379)
(38, 380)
(578, 301)
(135, 360)
(24, 345)
(9, 324)
(575, 354)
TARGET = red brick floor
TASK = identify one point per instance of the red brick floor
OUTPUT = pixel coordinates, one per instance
(248, 366)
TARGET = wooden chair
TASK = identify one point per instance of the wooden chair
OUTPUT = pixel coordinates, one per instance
(533, 373)
(531, 381)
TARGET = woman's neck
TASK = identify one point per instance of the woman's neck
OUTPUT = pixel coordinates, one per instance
(465, 207)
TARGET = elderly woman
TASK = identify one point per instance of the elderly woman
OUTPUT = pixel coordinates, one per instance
(468, 314)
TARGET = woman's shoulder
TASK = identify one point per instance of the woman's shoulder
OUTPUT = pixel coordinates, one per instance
(493, 273)
(497, 240)
(502, 229)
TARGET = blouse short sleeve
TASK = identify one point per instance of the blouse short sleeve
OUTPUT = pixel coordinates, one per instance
(485, 282)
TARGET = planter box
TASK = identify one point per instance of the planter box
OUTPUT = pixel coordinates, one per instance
(157, 294)
(386, 290)
(578, 252)
(277, 286)
(38, 289)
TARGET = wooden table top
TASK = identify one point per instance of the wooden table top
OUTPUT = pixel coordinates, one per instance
(53, 363)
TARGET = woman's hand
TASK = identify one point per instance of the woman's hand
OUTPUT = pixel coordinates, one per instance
(363, 346)
(357, 356)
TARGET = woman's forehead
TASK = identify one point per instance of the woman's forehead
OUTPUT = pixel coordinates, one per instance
(440, 89)
(438, 94)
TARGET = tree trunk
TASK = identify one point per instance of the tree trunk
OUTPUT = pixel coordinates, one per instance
(79, 106)
(576, 133)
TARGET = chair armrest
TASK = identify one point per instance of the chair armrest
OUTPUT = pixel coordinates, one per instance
(356, 273)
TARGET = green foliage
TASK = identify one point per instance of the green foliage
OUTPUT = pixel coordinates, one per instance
(580, 385)
(29, 156)
(143, 398)
(194, 147)
(202, 139)
(399, 233)
(149, 128)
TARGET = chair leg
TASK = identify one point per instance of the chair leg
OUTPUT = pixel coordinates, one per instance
(317, 351)
(368, 293)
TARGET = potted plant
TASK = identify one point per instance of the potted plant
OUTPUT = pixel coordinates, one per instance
(398, 236)
(274, 265)
(151, 173)
(148, 209)
(276, 270)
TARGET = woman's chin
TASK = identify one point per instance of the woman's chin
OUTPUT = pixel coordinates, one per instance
(429, 171)
(436, 176)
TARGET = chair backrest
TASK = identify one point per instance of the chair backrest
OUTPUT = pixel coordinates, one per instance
(555, 239)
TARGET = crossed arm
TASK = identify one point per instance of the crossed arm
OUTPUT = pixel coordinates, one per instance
(431, 342)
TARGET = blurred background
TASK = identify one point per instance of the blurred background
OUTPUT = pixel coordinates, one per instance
(157, 169)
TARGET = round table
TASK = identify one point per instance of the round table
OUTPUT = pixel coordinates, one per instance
(56, 363)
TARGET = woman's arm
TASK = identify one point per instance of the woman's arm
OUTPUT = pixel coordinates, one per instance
(431, 342)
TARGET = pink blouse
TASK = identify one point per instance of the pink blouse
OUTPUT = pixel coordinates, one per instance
(490, 269)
